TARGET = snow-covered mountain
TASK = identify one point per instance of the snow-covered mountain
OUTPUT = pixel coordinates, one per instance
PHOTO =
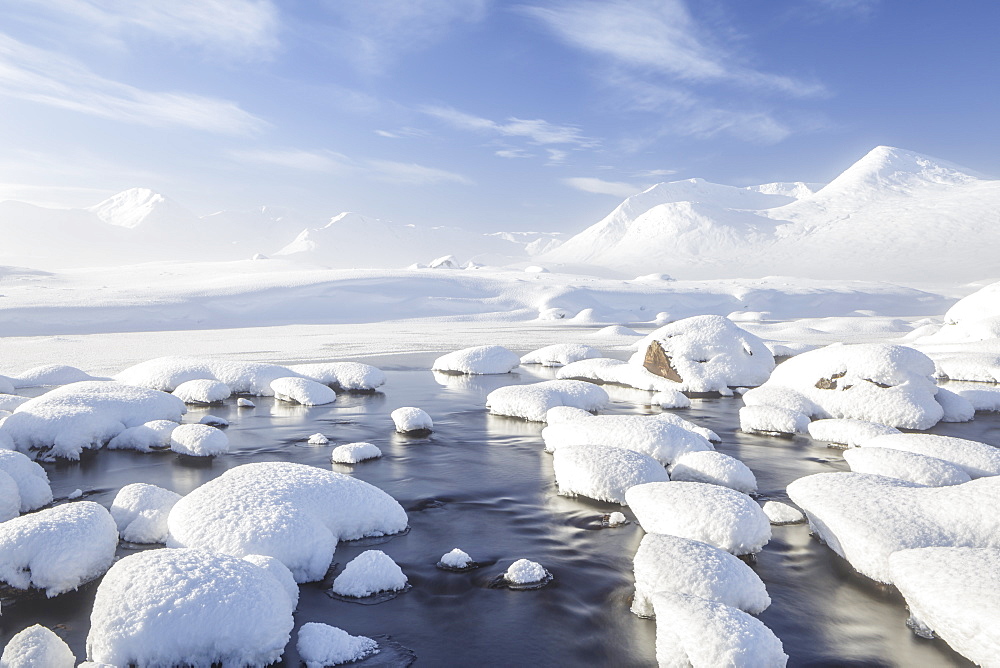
(893, 215)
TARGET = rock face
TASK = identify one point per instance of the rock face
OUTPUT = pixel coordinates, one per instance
(657, 361)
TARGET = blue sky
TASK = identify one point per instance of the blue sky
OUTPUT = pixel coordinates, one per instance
(484, 114)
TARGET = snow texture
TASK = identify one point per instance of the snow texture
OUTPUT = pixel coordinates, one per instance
(865, 518)
(479, 360)
(199, 440)
(409, 418)
(714, 468)
(8, 402)
(456, 559)
(603, 472)
(51, 374)
(352, 453)
(530, 402)
(524, 571)
(975, 458)
(166, 373)
(654, 435)
(31, 479)
(910, 466)
(57, 549)
(189, 607)
(772, 420)
(140, 510)
(302, 391)
(318, 439)
(345, 376)
(956, 407)
(88, 414)
(715, 515)
(152, 435)
(37, 647)
(10, 498)
(782, 513)
(370, 572)
(672, 564)
(322, 645)
(202, 391)
(847, 432)
(560, 354)
(292, 512)
(617, 372)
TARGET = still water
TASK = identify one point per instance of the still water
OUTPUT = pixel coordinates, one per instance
(483, 483)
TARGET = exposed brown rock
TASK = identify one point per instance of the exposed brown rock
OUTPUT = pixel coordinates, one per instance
(658, 362)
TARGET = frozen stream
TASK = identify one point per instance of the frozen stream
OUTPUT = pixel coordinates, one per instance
(483, 483)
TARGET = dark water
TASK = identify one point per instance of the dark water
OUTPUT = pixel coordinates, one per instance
(483, 483)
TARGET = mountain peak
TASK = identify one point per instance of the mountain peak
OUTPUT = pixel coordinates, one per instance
(896, 169)
(131, 208)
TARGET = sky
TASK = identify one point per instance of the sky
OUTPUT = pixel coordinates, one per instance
(485, 114)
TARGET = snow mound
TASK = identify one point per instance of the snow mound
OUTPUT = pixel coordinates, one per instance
(318, 439)
(302, 391)
(615, 331)
(714, 468)
(851, 433)
(345, 376)
(919, 469)
(10, 498)
(957, 408)
(410, 419)
(245, 403)
(678, 565)
(146, 437)
(202, 392)
(456, 559)
(51, 374)
(658, 438)
(603, 472)
(782, 513)
(530, 402)
(706, 353)
(31, 479)
(691, 631)
(352, 453)
(980, 305)
(57, 549)
(7, 385)
(73, 417)
(322, 645)
(524, 571)
(772, 420)
(38, 647)
(715, 515)
(140, 510)
(370, 572)
(560, 354)
(292, 512)
(189, 607)
(479, 360)
(975, 458)
(951, 591)
(214, 421)
(885, 515)
(673, 418)
(199, 440)
(166, 373)
(878, 382)
(8, 402)
(617, 372)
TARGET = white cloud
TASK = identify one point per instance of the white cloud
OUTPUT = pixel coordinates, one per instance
(601, 187)
(536, 131)
(556, 156)
(310, 161)
(655, 173)
(413, 174)
(48, 78)
(512, 153)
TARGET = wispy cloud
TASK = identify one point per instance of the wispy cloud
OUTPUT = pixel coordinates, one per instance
(413, 174)
(601, 187)
(536, 131)
(310, 161)
(513, 153)
(41, 76)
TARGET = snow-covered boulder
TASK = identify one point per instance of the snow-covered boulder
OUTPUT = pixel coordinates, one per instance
(352, 453)
(479, 360)
(781, 513)
(525, 572)
(921, 469)
(706, 353)
(57, 549)
(617, 372)
(691, 631)
(140, 510)
(318, 439)
(560, 354)
(344, 376)
(410, 419)
(83, 415)
(715, 515)
(243, 402)
(956, 407)
(214, 421)
(166, 373)
(661, 439)
(603, 472)
(878, 382)
(302, 391)
(673, 418)
(884, 515)
(321, 645)
(199, 440)
(371, 572)
(292, 512)
(146, 437)
(952, 592)
(51, 374)
(530, 402)
(714, 468)
(673, 564)
(37, 647)
(202, 391)
(31, 479)
(847, 432)
(189, 607)
(9, 402)
(456, 559)
(975, 458)
(772, 420)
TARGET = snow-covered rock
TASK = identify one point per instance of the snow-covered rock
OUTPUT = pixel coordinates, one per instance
(885, 515)
(9, 402)
(214, 421)
(603, 472)
(140, 510)
(772, 420)
(848, 432)
(37, 647)
(189, 607)
(345, 376)
(661, 439)
(292, 512)
(479, 360)
(317, 439)
(920, 469)
(199, 440)
(411, 419)
(715, 515)
(956, 407)
(322, 645)
(371, 572)
(617, 372)
(975, 458)
(202, 391)
(665, 563)
(530, 402)
(456, 559)
(31, 480)
(166, 373)
(7, 385)
(302, 391)
(51, 374)
(88, 414)
(525, 571)
(782, 513)
(146, 437)
(352, 453)
(245, 403)
(714, 468)
(560, 354)
(57, 549)
(10, 498)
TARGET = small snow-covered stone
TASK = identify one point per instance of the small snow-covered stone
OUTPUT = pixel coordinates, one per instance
(772, 420)
(921, 469)
(479, 360)
(75, 494)
(603, 472)
(524, 571)
(322, 645)
(409, 419)
(782, 513)
(530, 402)
(302, 391)
(845, 431)
(37, 647)
(456, 559)
(141, 510)
(214, 421)
(616, 519)
(152, 435)
(245, 403)
(352, 453)
(714, 468)
(975, 458)
(560, 354)
(318, 439)
(198, 440)
(618, 372)
(202, 391)
(370, 572)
